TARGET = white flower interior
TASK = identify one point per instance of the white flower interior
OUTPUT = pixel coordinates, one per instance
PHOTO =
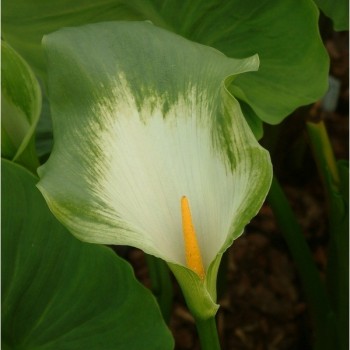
(149, 162)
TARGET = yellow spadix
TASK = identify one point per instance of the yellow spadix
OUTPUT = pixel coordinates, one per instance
(193, 254)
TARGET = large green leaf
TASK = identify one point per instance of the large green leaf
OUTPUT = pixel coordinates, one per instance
(294, 63)
(20, 108)
(60, 293)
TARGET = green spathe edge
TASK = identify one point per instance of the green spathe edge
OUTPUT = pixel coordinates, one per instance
(201, 295)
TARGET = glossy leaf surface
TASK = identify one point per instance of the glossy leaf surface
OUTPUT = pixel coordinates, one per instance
(60, 293)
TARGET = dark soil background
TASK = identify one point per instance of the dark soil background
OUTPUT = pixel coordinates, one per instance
(263, 306)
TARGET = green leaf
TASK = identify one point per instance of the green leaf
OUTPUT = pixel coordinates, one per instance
(20, 108)
(343, 170)
(287, 51)
(337, 11)
(27, 22)
(132, 137)
(338, 249)
(60, 293)
(294, 62)
(335, 176)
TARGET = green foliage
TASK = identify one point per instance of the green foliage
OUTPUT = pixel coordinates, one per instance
(335, 176)
(294, 63)
(20, 108)
(60, 293)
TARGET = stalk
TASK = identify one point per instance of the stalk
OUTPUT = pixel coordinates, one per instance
(335, 179)
(208, 334)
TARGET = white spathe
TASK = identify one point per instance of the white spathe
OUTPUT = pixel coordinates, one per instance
(147, 166)
(142, 117)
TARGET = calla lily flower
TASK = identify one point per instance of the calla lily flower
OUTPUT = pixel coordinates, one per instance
(151, 150)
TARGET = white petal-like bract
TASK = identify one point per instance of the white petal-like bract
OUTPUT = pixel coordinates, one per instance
(147, 165)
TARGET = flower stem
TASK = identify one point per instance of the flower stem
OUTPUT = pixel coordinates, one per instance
(323, 153)
(208, 334)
